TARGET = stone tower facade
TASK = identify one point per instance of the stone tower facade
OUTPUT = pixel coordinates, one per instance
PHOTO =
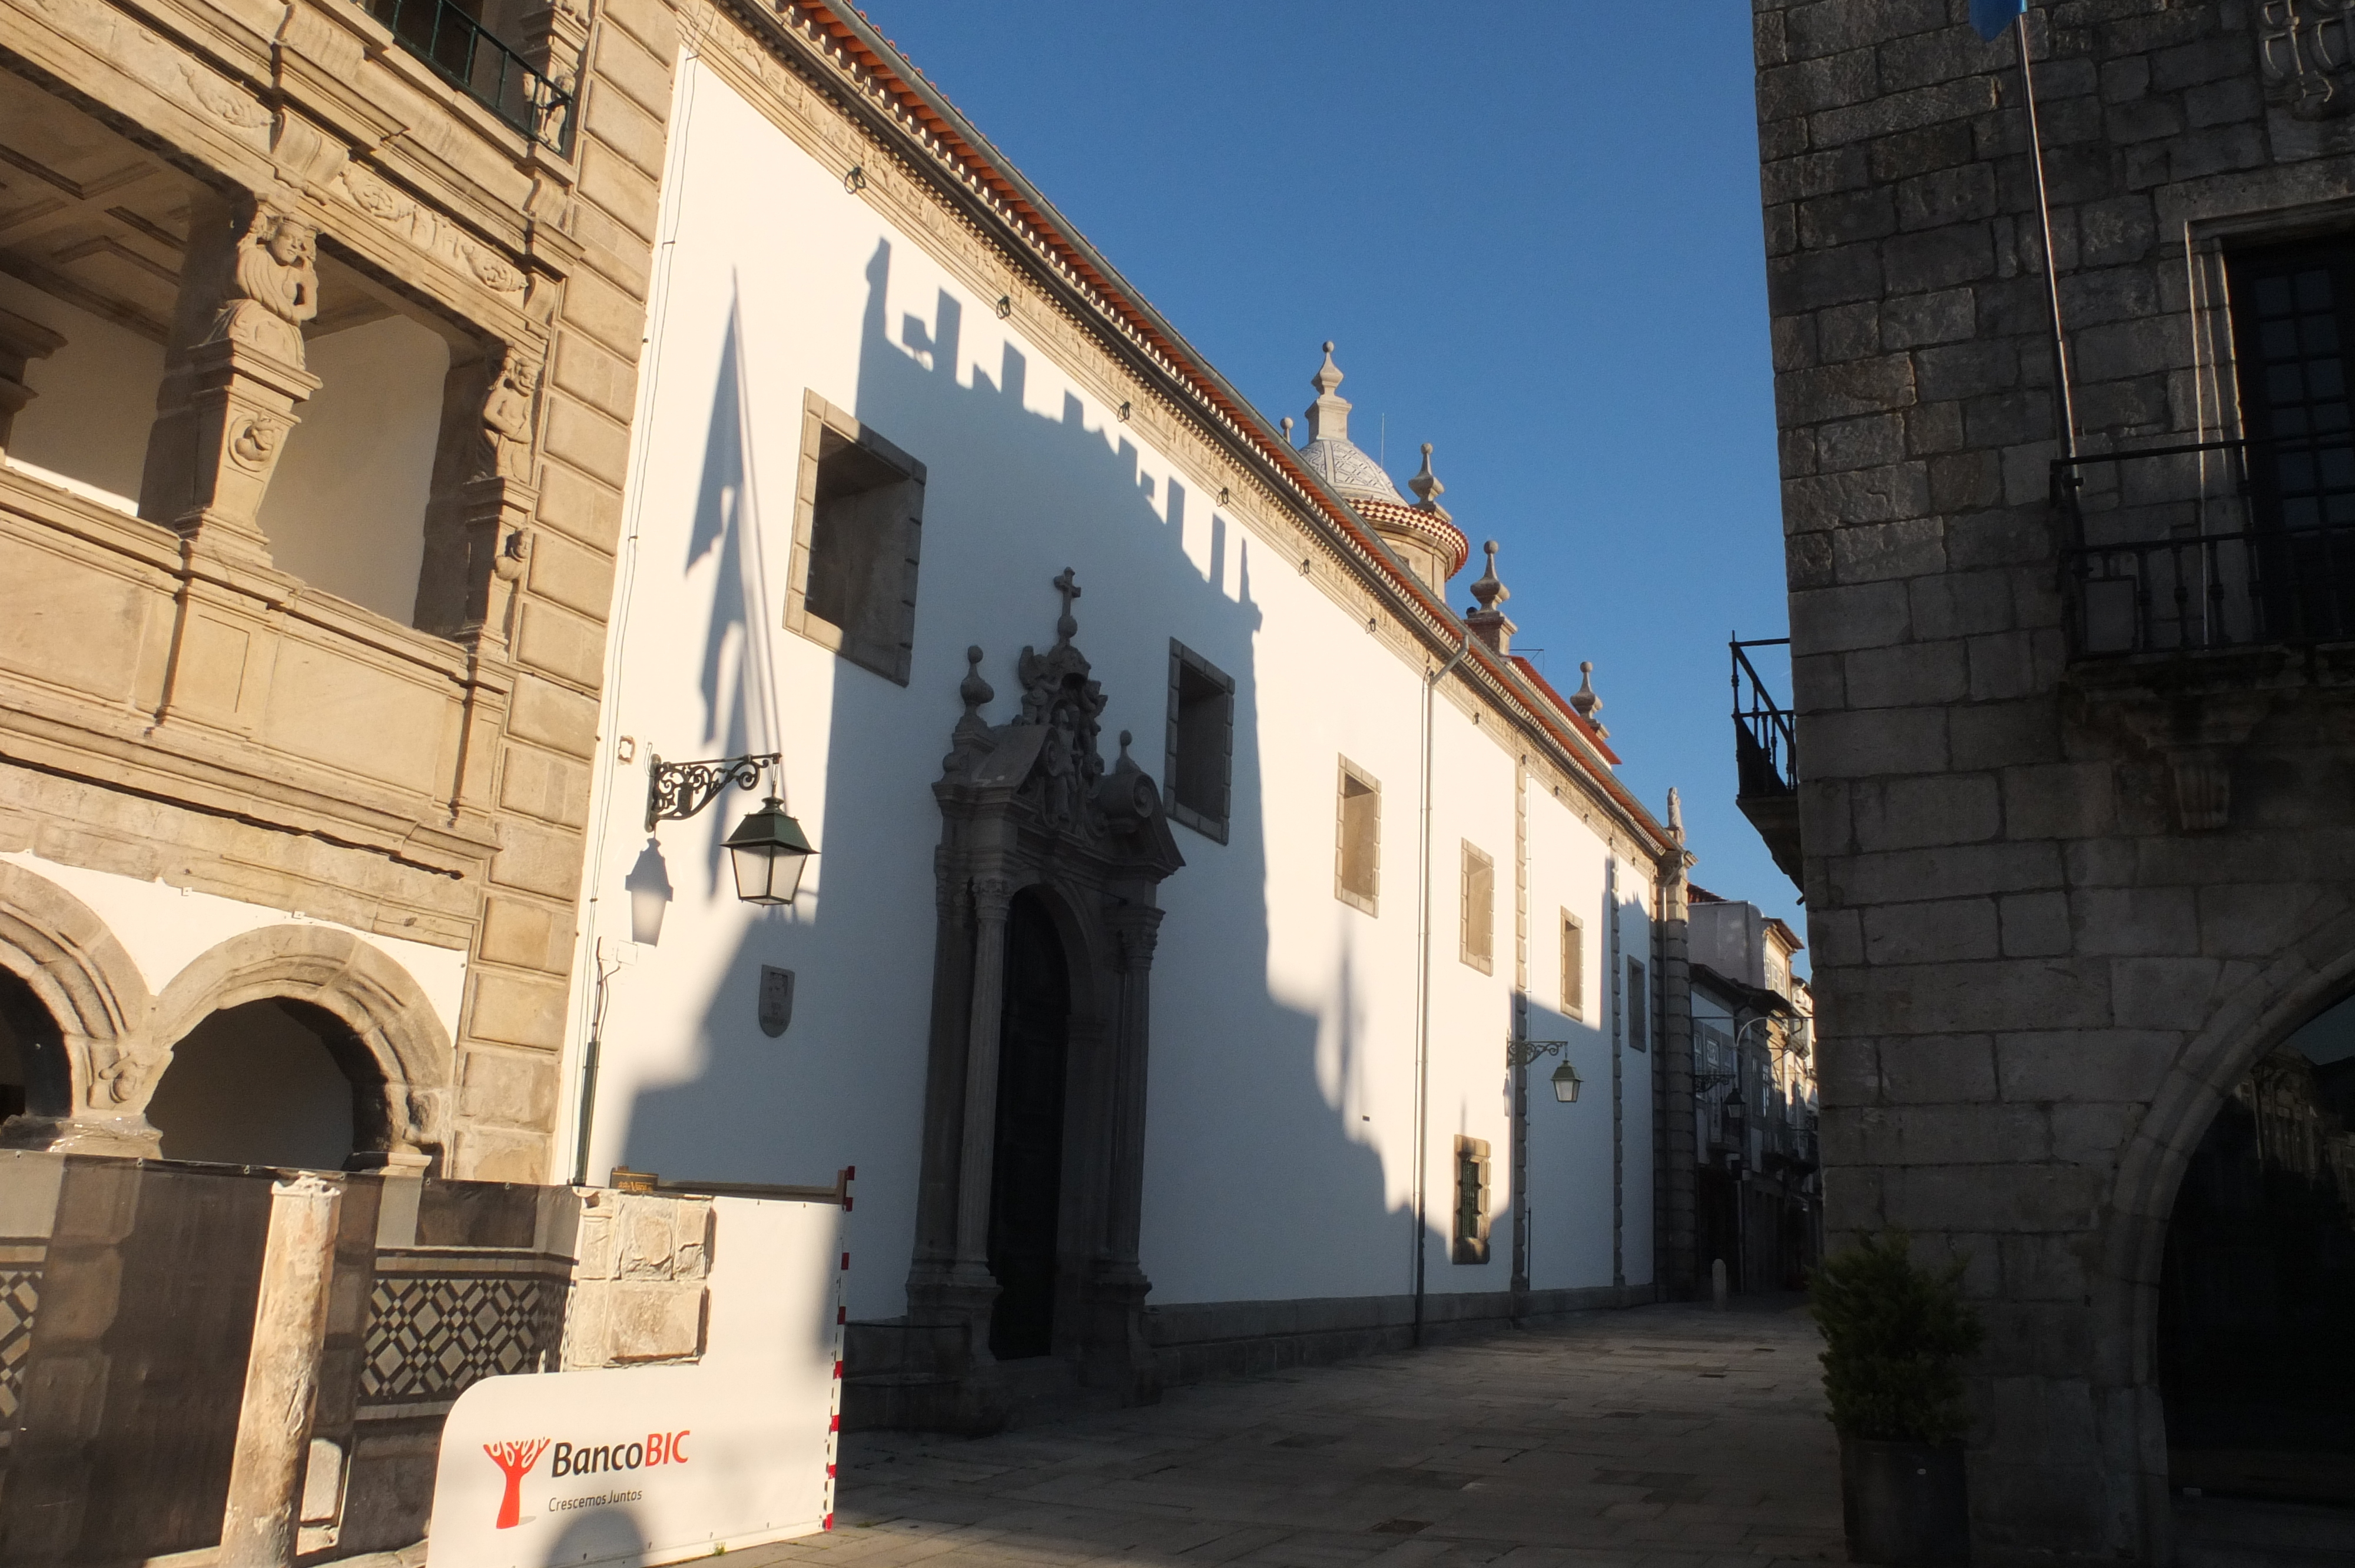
(2072, 737)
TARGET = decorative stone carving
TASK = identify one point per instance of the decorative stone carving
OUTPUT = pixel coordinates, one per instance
(224, 102)
(507, 416)
(228, 398)
(2304, 51)
(274, 288)
(425, 230)
(1030, 805)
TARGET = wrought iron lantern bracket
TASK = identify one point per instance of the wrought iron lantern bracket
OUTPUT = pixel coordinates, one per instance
(678, 790)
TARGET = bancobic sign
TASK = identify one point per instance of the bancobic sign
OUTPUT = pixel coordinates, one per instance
(660, 1464)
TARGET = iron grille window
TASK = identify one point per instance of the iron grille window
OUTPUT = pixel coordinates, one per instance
(1469, 1244)
(2289, 321)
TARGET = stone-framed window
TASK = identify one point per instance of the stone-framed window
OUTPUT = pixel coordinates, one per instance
(2293, 307)
(1358, 839)
(1639, 1006)
(1470, 1240)
(1478, 883)
(1199, 780)
(858, 512)
(1573, 967)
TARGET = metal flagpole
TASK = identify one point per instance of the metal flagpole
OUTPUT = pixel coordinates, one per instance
(2068, 411)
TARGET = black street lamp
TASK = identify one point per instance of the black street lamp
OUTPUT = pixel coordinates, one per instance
(768, 848)
(1566, 1081)
(770, 851)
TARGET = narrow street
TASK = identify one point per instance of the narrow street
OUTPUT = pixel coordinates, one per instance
(1668, 1437)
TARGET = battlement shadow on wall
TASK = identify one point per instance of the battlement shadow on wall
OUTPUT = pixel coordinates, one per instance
(1002, 479)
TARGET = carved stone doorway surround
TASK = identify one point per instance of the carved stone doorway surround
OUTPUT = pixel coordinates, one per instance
(1031, 804)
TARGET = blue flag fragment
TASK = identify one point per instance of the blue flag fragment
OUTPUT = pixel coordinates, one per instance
(1992, 17)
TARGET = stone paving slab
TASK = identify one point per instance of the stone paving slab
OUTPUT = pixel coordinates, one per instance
(1655, 1437)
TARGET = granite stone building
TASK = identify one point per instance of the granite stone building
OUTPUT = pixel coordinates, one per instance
(2076, 707)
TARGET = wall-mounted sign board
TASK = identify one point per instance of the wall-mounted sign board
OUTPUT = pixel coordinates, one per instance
(641, 1465)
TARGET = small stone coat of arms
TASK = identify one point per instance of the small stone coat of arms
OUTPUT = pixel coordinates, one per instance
(776, 999)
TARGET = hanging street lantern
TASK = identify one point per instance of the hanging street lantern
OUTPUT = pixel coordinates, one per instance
(770, 851)
(1565, 1083)
(768, 848)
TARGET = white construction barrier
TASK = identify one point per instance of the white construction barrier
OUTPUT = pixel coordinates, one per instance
(660, 1464)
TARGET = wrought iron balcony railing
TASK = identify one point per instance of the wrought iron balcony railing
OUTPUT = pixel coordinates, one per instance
(1765, 759)
(486, 70)
(1766, 754)
(2208, 545)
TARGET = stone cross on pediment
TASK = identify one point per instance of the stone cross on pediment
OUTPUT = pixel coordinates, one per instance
(1067, 625)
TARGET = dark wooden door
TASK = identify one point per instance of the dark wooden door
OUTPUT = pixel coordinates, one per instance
(1026, 1184)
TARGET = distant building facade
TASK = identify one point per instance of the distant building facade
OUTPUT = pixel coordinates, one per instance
(1758, 1205)
(2070, 667)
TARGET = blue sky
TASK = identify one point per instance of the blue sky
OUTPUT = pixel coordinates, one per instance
(1533, 231)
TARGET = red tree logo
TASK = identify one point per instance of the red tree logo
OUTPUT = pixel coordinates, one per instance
(516, 1459)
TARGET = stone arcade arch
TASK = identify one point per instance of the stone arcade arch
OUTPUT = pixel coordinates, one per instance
(89, 1087)
(2257, 1289)
(96, 1003)
(2243, 1022)
(1030, 808)
(401, 1068)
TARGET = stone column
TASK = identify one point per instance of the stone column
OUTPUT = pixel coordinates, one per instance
(21, 341)
(234, 378)
(977, 1148)
(1138, 928)
(1677, 1263)
(281, 1375)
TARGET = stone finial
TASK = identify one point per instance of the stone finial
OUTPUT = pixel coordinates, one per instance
(1588, 704)
(976, 693)
(1288, 429)
(1488, 622)
(1488, 588)
(1675, 815)
(1328, 417)
(1426, 486)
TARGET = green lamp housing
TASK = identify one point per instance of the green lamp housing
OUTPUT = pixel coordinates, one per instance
(769, 850)
(1565, 1083)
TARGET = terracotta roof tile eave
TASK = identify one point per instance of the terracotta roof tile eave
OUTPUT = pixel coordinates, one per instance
(924, 103)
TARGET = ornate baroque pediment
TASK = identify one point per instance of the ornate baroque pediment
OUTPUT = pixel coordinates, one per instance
(1045, 766)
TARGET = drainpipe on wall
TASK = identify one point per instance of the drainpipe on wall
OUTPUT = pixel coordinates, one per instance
(1422, 991)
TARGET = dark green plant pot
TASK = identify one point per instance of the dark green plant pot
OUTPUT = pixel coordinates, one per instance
(1904, 1503)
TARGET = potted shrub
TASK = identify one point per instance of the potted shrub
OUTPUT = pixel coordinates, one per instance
(1895, 1335)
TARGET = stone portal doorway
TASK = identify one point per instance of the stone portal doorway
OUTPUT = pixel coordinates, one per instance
(2256, 1367)
(1026, 1188)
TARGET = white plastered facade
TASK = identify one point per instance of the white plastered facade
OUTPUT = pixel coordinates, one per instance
(1280, 1144)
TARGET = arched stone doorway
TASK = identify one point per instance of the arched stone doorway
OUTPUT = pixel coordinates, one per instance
(1026, 1188)
(2255, 1356)
(273, 1082)
(1033, 1170)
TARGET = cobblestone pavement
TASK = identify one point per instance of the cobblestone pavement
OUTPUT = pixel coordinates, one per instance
(1662, 1437)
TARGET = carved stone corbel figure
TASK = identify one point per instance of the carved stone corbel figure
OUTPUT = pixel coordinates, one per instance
(506, 417)
(274, 287)
(227, 404)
